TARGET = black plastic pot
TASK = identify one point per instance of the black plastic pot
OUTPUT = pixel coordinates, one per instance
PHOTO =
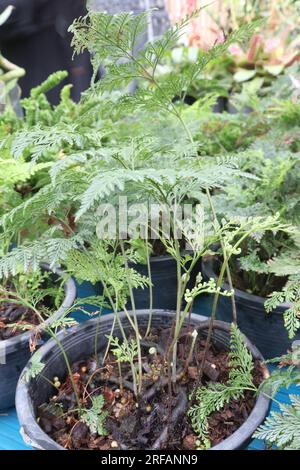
(219, 107)
(265, 330)
(14, 352)
(232, 110)
(79, 343)
(164, 280)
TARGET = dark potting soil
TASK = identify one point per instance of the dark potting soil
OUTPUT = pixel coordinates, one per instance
(12, 313)
(141, 425)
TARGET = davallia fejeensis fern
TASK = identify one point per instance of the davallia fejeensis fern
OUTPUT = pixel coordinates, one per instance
(216, 395)
(114, 41)
(94, 166)
(282, 427)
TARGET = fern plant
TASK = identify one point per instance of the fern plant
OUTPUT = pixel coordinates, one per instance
(123, 352)
(216, 395)
(110, 39)
(113, 40)
(36, 367)
(94, 166)
(288, 264)
(265, 264)
(95, 416)
(281, 428)
(144, 169)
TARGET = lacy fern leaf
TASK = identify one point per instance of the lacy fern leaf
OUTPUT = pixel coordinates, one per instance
(29, 256)
(95, 416)
(35, 367)
(214, 397)
(290, 294)
(283, 428)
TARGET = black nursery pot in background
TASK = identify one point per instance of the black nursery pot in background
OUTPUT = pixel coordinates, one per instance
(15, 353)
(265, 330)
(79, 343)
(219, 107)
(164, 280)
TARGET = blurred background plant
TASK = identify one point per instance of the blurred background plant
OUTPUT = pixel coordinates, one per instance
(273, 49)
(9, 75)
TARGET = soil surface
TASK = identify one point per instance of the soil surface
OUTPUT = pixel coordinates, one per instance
(157, 420)
(12, 313)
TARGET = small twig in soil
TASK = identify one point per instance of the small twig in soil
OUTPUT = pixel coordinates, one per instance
(179, 410)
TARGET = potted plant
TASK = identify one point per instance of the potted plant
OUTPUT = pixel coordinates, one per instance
(269, 263)
(271, 53)
(101, 157)
(28, 302)
(9, 76)
(178, 356)
(281, 428)
(123, 339)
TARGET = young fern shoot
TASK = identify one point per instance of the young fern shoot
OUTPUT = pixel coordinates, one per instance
(213, 397)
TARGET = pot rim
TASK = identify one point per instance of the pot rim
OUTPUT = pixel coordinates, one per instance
(29, 427)
(208, 270)
(12, 344)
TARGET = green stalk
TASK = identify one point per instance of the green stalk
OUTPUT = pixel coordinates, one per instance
(110, 336)
(120, 376)
(191, 352)
(131, 322)
(228, 274)
(177, 317)
(66, 359)
(215, 302)
(212, 319)
(216, 222)
(114, 307)
(117, 318)
(135, 318)
(96, 337)
(150, 290)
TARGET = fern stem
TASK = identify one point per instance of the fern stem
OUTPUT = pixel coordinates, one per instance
(191, 352)
(150, 290)
(178, 310)
(212, 319)
(136, 329)
(120, 377)
(132, 323)
(228, 274)
(66, 359)
(96, 337)
(110, 336)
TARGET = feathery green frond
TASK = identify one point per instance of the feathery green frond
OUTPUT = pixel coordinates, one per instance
(29, 256)
(95, 416)
(283, 428)
(214, 397)
(290, 295)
